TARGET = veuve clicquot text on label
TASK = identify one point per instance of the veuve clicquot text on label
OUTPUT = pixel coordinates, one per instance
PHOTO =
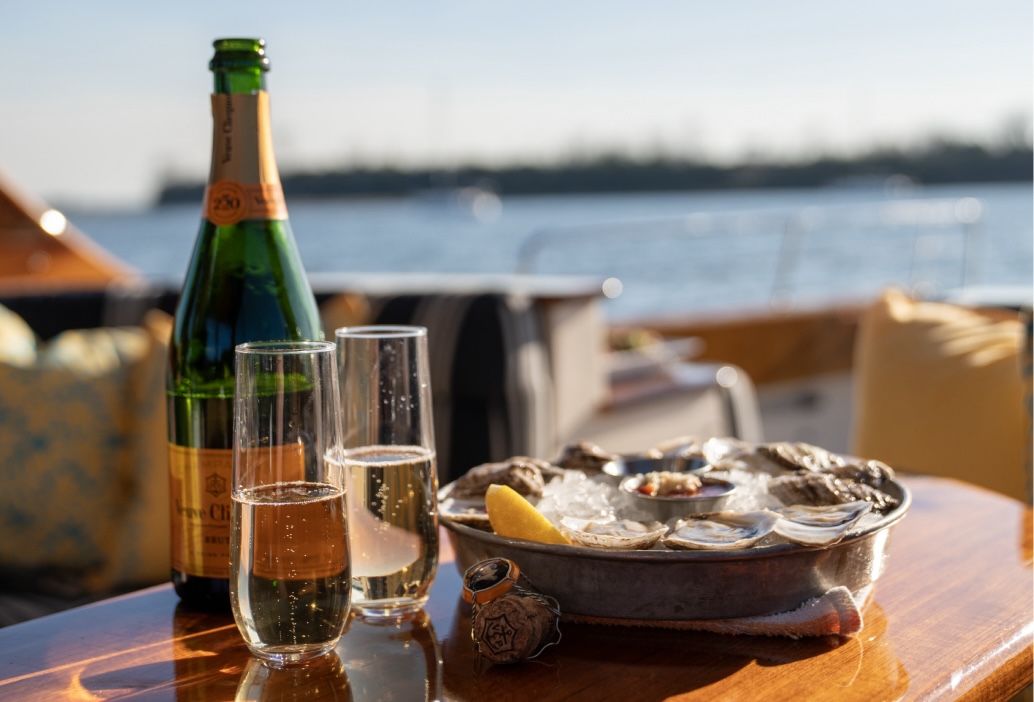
(245, 282)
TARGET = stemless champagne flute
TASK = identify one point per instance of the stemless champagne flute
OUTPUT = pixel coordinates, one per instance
(290, 573)
(389, 456)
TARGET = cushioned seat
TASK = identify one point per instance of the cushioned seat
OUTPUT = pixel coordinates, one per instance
(940, 390)
(83, 481)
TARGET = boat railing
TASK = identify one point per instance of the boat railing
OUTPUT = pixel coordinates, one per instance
(918, 218)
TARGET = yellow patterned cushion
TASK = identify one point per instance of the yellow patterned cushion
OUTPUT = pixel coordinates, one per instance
(17, 342)
(70, 449)
(142, 551)
(939, 390)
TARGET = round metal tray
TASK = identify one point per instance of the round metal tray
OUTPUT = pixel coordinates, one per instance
(683, 585)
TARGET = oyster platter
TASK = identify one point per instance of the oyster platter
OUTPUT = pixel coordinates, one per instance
(693, 529)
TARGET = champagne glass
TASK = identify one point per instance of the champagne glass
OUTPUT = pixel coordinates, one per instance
(389, 456)
(290, 572)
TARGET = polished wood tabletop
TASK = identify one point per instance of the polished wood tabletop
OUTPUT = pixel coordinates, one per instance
(951, 618)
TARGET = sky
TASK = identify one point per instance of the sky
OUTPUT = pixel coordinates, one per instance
(101, 102)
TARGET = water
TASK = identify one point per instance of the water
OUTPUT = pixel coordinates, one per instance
(665, 262)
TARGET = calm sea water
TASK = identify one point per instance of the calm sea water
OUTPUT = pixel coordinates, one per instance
(671, 252)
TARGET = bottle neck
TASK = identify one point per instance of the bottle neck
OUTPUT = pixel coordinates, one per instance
(242, 81)
(239, 65)
(243, 182)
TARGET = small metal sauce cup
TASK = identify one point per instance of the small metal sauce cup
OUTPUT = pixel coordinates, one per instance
(714, 494)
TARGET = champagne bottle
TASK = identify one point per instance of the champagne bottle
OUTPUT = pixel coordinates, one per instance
(245, 282)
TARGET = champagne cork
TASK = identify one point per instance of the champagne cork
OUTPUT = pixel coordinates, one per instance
(512, 628)
(510, 620)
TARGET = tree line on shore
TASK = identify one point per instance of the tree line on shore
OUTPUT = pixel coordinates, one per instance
(943, 162)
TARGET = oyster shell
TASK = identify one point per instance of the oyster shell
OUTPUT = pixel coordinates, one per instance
(719, 449)
(469, 511)
(584, 456)
(827, 489)
(620, 534)
(819, 525)
(721, 530)
(525, 475)
(799, 456)
(728, 454)
(872, 473)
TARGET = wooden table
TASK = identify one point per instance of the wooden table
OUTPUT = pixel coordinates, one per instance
(951, 618)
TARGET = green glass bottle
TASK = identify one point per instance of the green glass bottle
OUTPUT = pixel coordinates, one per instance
(245, 282)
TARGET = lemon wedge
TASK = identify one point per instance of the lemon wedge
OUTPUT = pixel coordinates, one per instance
(514, 517)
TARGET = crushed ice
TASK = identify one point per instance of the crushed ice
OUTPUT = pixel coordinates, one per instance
(575, 494)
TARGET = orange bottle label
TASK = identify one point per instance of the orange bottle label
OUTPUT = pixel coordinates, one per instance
(283, 546)
(244, 182)
(199, 490)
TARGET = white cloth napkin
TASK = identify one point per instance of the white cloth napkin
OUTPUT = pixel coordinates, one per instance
(837, 613)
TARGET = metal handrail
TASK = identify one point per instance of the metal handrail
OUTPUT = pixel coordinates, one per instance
(967, 213)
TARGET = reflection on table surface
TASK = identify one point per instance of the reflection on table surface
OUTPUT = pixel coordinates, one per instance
(951, 616)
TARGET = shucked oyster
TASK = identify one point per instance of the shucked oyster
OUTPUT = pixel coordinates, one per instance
(525, 475)
(721, 530)
(623, 534)
(800, 456)
(584, 456)
(718, 449)
(735, 454)
(471, 512)
(872, 473)
(819, 525)
(827, 489)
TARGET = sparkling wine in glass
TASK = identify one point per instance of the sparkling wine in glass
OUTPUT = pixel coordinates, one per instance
(290, 568)
(389, 460)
